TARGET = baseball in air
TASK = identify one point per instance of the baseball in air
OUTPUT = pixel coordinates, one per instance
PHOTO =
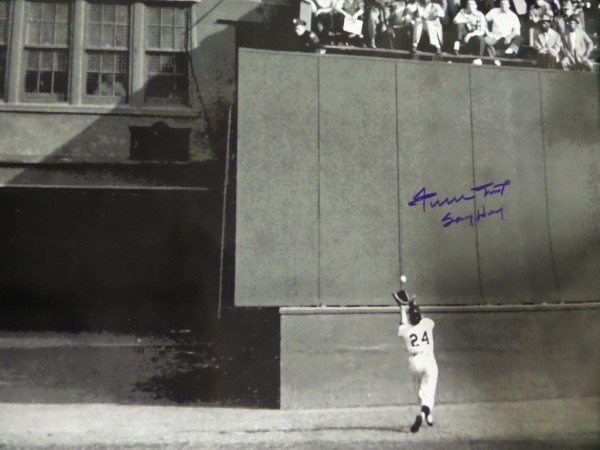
(403, 279)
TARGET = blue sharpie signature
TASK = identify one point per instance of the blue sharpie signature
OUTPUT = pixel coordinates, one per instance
(488, 189)
(481, 213)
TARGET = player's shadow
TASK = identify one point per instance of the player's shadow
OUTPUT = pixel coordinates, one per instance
(399, 429)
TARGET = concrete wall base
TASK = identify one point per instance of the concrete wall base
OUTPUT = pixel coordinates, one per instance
(340, 357)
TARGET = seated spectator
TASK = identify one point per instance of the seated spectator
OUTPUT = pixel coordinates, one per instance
(567, 9)
(538, 10)
(576, 46)
(395, 14)
(577, 10)
(401, 23)
(354, 8)
(397, 10)
(428, 18)
(328, 15)
(547, 43)
(354, 13)
(559, 24)
(541, 8)
(305, 40)
(374, 18)
(504, 33)
(471, 26)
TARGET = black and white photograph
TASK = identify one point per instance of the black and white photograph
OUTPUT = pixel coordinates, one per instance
(299, 224)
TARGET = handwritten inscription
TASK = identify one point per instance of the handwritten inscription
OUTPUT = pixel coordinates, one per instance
(481, 213)
(431, 200)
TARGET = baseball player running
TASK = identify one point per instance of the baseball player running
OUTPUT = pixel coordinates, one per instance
(417, 332)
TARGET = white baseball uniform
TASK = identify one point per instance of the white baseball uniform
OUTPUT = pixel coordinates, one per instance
(422, 364)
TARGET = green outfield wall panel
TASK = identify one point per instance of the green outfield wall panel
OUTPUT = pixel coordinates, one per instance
(478, 183)
(358, 181)
(277, 179)
(352, 358)
(436, 157)
(571, 118)
(512, 219)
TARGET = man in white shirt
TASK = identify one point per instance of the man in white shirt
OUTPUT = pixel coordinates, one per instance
(471, 26)
(326, 13)
(504, 31)
(417, 333)
(429, 20)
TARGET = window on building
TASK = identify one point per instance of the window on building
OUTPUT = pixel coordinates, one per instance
(107, 53)
(47, 51)
(95, 52)
(3, 44)
(166, 57)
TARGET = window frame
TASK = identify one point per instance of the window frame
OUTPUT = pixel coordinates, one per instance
(160, 51)
(6, 50)
(54, 49)
(88, 49)
(77, 101)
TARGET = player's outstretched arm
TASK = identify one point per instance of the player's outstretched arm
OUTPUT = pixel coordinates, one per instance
(403, 314)
(401, 299)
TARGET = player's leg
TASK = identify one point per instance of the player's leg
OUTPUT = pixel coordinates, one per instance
(424, 414)
(416, 367)
(417, 423)
(427, 390)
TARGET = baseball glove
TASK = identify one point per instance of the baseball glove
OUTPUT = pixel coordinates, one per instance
(401, 297)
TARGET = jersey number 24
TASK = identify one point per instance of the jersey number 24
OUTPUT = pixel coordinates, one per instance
(414, 339)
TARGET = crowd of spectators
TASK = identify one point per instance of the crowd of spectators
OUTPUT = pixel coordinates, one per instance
(556, 32)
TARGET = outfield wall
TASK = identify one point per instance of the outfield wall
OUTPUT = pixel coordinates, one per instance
(332, 149)
(337, 357)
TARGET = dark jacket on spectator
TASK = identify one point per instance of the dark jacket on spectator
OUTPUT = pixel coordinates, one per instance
(307, 42)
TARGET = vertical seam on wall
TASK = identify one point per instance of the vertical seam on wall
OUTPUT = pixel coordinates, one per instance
(224, 212)
(543, 130)
(398, 173)
(475, 200)
(319, 181)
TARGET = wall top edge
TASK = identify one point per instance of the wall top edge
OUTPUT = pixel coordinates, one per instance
(102, 187)
(318, 310)
(68, 109)
(485, 67)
